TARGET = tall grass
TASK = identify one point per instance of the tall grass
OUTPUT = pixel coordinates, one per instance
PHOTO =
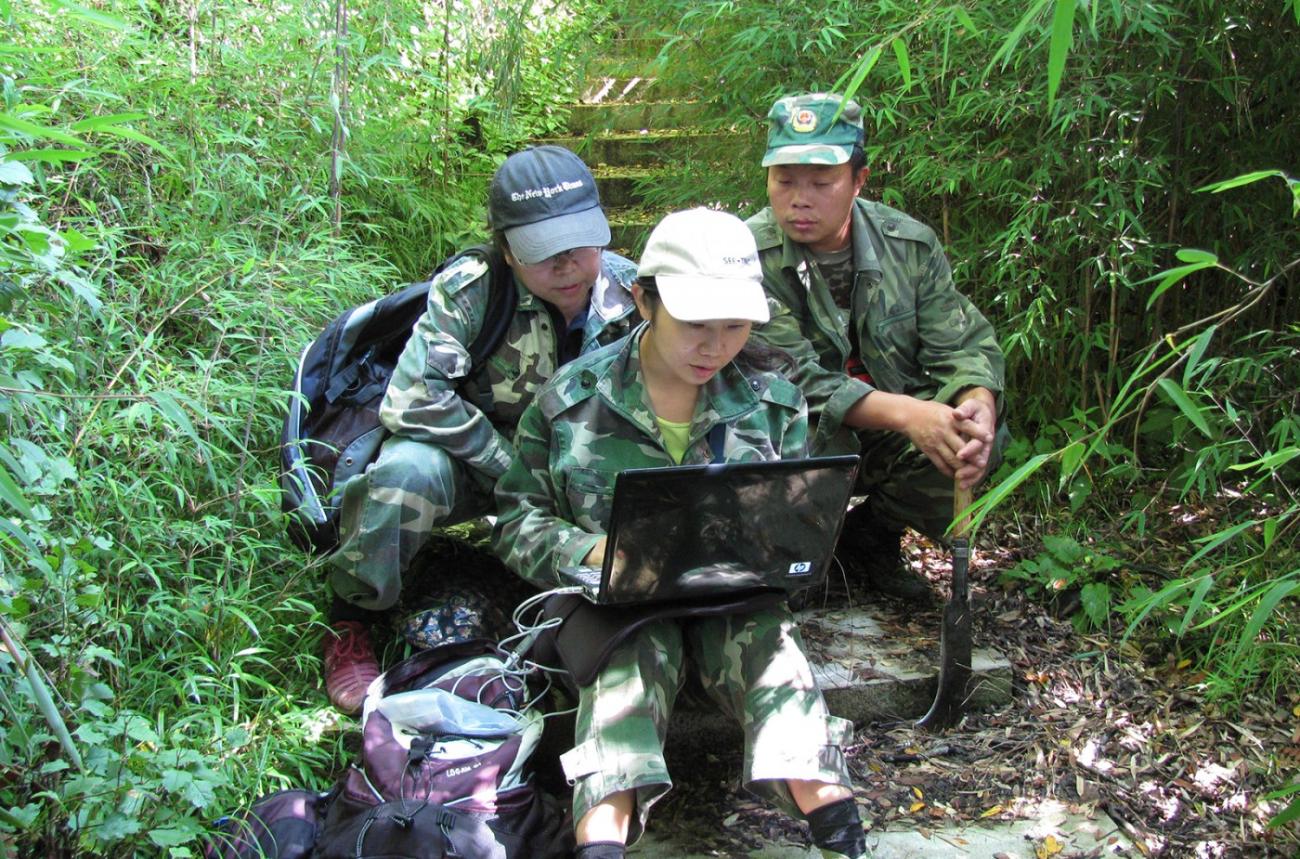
(166, 250)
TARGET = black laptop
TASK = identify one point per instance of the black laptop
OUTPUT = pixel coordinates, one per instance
(695, 531)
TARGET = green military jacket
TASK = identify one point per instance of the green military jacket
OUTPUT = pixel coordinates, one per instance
(913, 331)
(591, 421)
(423, 401)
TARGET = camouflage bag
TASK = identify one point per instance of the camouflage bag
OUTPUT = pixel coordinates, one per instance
(332, 430)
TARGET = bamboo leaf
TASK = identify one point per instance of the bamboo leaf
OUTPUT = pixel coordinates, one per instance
(1278, 592)
(1217, 539)
(1013, 38)
(1198, 599)
(1071, 456)
(1195, 255)
(132, 134)
(9, 122)
(98, 123)
(1175, 392)
(34, 556)
(12, 495)
(1196, 352)
(49, 156)
(1238, 181)
(1160, 599)
(904, 63)
(94, 16)
(1292, 811)
(995, 496)
(1059, 49)
(1171, 277)
(169, 408)
(1268, 463)
(41, 692)
(860, 73)
(963, 17)
(1270, 532)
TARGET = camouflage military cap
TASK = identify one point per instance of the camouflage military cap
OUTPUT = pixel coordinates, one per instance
(803, 129)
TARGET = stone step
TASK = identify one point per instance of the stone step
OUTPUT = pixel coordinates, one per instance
(592, 118)
(602, 89)
(628, 232)
(649, 149)
(618, 187)
(1074, 834)
(626, 57)
(866, 674)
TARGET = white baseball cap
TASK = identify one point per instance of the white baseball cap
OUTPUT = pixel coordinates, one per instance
(705, 265)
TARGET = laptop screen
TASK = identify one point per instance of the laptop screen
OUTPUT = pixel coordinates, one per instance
(691, 531)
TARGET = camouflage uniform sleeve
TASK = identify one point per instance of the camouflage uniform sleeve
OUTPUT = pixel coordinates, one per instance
(422, 401)
(532, 535)
(958, 347)
(794, 439)
(830, 393)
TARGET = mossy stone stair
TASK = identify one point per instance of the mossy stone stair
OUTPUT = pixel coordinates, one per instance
(631, 129)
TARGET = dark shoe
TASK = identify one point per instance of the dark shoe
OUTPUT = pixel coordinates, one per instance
(878, 552)
(887, 574)
(350, 665)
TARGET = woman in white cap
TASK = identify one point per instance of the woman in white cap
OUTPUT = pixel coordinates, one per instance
(683, 388)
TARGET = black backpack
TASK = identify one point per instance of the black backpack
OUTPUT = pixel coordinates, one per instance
(332, 430)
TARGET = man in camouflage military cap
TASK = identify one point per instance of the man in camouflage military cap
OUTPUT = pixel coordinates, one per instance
(895, 362)
(451, 442)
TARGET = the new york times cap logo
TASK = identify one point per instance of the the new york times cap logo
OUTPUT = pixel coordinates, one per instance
(546, 192)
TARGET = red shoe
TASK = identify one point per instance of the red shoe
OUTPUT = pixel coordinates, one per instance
(350, 665)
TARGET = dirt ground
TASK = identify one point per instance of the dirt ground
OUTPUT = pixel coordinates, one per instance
(1090, 725)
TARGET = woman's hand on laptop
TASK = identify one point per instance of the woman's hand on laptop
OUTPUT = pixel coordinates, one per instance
(596, 557)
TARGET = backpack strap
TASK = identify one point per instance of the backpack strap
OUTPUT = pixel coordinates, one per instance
(503, 298)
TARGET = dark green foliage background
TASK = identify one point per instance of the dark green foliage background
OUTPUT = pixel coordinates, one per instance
(168, 245)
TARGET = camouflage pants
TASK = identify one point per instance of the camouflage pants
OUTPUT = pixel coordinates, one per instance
(389, 512)
(903, 487)
(752, 665)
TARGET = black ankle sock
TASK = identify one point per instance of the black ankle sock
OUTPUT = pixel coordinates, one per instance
(341, 609)
(601, 850)
(838, 827)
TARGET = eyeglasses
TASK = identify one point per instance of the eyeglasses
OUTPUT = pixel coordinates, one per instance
(576, 255)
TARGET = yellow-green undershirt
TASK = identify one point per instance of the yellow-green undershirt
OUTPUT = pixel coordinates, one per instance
(676, 435)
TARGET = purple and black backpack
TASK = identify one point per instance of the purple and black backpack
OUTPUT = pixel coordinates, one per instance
(445, 770)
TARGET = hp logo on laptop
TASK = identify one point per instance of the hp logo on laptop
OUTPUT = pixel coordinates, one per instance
(801, 568)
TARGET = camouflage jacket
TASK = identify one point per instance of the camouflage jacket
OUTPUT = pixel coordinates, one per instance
(423, 401)
(593, 420)
(913, 331)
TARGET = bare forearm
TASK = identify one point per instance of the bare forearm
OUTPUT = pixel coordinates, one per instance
(881, 410)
